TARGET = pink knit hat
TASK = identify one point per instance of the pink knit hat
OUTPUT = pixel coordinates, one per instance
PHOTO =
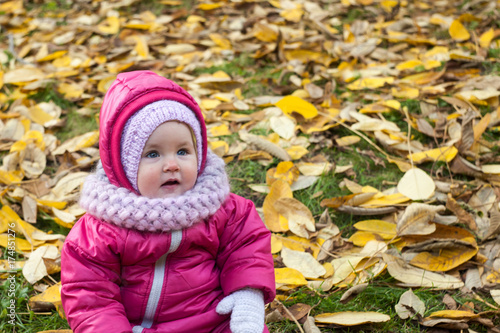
(141, 125)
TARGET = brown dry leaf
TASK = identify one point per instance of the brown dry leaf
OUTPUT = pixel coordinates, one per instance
(416, 219)
(462, 215)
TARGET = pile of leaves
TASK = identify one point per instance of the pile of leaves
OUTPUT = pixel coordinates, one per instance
(415, 81)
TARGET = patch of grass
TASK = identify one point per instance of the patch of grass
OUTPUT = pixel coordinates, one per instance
(244, 66)
(76, 124)
(243, 173)
(49, 93)
(26, 321)
(380, 296)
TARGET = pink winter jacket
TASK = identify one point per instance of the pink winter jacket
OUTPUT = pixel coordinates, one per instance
(117, 279)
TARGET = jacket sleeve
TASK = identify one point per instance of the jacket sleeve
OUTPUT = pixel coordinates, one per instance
(244, 254)
(90, 276)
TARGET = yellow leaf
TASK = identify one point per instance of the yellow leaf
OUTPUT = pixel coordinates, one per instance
(105, 83)
(377, 226)
(110, 26)
(51, 295)
(219, 147)
(289, 276)
(454, 314)
(445, 260)
(458, 32)
(423, 78)
(22, 245)
(300, 219)
(405, 92)
(52, 56)
(210, 6)
(52, 204)
(273, 220)
(296, 152)
(39, 116)
(70, 90)
(35, 137)
(286, 171)
(385, 200)
(347, 140)
(486, 38)
(361, 238)
(417, 277)
(290, 104)
(9, 177)
(220, 130)
(388, 5)
(265, 33)
(209, 103)
(370, 83)
(141, 47)
(410, 64)
(481, 126)
(445, 154)
(276, 244)
(305, 56)
(293, 15)
(220, 41)
(351, 318)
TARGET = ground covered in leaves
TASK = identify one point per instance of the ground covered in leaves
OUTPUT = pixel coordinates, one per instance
(366, 132)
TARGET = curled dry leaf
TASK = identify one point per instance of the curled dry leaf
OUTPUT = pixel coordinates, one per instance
(268, 147)
(35, 269)
(409, 306)
(416, 219)
(353, 292)
(310, 326)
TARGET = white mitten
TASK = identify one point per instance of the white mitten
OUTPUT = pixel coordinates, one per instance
(247, 307)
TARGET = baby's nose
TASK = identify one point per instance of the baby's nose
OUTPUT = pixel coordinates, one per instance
(170, 165)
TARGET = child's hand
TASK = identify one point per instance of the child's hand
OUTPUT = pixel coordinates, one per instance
(247, 307)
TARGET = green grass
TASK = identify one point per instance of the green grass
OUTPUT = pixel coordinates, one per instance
(380, 296)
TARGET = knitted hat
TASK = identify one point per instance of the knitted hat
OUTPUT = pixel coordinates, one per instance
(141, 125)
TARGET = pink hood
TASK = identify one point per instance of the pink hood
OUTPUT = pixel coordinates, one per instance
(129, 93)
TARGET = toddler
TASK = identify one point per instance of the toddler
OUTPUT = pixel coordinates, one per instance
(164, 245)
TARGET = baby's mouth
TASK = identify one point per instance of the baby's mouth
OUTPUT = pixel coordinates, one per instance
(171, 182)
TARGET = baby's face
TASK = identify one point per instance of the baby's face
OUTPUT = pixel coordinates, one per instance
(168, 165)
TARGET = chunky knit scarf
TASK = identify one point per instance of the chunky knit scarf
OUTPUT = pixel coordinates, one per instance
(121, 207)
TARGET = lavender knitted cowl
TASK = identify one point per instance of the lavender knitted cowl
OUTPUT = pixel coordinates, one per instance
(123, 208)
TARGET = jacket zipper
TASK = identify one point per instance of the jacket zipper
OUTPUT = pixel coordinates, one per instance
(156, 288)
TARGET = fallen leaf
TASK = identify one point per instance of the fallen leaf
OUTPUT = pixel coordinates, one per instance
(409, 306)
(303, 262)
(416, 184)
(351, 318)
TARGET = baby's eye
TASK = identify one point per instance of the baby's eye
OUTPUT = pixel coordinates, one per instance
(152, 154)
(182, 152)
